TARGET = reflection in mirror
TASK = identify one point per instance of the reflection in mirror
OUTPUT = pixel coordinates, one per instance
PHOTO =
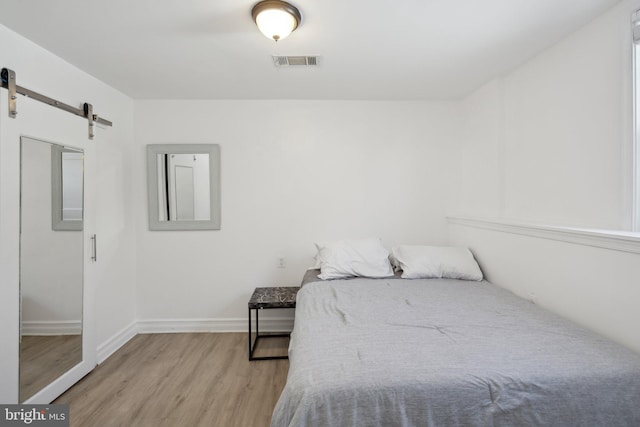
(51, 264)
(184, 193)
(183, 186)
(66, 188)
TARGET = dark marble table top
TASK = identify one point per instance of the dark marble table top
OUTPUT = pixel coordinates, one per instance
(275, 297)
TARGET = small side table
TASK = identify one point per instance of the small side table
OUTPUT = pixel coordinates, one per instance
(264, 298)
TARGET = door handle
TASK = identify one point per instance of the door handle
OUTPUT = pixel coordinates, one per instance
(94, 248)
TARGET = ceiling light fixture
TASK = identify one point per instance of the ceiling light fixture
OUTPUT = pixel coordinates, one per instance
(276, 19)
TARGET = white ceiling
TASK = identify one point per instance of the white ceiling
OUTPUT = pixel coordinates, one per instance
(369, 49)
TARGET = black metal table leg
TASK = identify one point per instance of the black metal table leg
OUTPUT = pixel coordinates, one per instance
(262, 298)
(254, 343)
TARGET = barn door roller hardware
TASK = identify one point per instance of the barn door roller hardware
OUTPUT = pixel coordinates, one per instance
(8, 78)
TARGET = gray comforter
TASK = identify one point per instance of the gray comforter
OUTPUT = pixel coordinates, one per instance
(444, 352)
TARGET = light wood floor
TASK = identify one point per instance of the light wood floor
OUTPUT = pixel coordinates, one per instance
(45, 358)
(185, 380)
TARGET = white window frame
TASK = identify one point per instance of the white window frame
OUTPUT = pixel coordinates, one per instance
(636, 121)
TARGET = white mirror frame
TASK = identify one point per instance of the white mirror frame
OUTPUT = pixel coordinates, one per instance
(214, 185)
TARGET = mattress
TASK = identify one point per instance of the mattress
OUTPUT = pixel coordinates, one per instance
(442, 352)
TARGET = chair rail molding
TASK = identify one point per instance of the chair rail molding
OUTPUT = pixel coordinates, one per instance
(624, 241)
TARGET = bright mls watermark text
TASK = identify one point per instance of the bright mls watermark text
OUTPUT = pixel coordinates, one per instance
(34, 415)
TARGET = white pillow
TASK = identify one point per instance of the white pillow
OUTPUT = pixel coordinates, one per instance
(428, 262)
(349, 258)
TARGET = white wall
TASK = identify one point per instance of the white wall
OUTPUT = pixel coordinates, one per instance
(555, 139)
(112, 288)
(555, 134)
(478, 184)
(292, 172)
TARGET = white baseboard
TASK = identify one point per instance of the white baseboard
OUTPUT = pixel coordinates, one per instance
(163, 326)
(157, 326)
(51, 327)
(114, 343)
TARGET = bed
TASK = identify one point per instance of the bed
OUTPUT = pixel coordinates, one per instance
(447, 352)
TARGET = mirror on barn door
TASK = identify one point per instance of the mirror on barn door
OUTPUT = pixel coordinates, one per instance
(51, 262)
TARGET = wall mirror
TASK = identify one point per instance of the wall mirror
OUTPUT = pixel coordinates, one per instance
(183, 186)
(51, 262)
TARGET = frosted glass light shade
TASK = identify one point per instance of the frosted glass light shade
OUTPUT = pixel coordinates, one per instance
(275, 24)
(276, 19)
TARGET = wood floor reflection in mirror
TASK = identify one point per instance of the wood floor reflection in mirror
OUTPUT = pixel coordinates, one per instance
(45, 358)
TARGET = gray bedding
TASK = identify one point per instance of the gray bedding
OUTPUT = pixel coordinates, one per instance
(442, 352)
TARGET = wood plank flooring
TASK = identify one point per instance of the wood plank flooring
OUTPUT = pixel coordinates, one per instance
(45, 358)
(200, 379)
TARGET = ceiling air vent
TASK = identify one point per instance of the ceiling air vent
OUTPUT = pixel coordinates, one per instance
(292, 61)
